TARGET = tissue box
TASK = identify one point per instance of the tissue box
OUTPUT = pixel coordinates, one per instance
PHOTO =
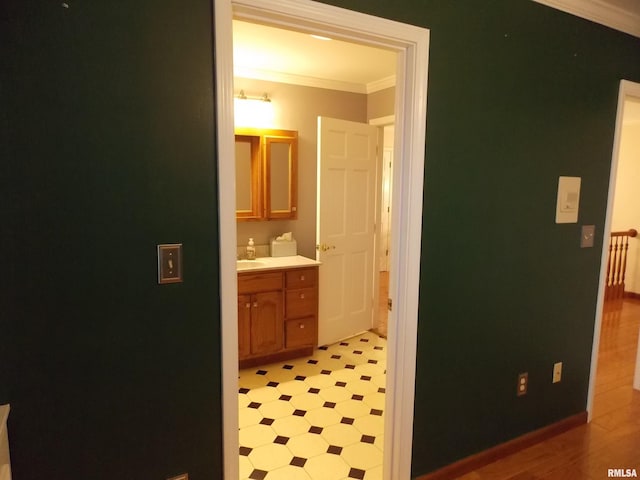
(283, 248)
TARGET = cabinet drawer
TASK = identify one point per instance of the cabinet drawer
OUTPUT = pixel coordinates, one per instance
(302, 277)
(300, 332)
(301, 302)
(259, 282)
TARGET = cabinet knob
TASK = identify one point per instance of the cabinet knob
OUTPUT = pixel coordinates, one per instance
(301, 325)
(247, 305)
(255, 304)
(302, 296)
(302, 278)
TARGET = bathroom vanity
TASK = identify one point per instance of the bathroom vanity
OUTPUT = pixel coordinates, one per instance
(277, 309)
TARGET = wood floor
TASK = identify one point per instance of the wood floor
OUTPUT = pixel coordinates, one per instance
(612, 439)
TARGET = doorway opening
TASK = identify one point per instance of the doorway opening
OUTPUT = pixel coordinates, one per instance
(411, 45)
(615, 360)
(386, 127)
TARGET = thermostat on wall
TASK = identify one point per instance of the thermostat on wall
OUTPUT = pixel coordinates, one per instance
(568, 201)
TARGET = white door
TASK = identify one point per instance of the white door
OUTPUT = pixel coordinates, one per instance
(345, 230)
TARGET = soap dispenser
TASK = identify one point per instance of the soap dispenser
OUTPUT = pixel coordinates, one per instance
(251, 250)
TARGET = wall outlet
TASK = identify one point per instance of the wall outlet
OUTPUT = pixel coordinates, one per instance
(557, 372)
(182, 476)
(523, 383)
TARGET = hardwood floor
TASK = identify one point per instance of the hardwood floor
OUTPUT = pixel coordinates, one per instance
(612, 439)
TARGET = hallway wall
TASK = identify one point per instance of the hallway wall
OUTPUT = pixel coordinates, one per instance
(107, 135)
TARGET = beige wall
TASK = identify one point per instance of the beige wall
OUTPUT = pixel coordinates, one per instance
(297, 108)
(626, 207)
(381, 104)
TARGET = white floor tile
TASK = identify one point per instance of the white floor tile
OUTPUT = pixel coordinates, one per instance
(315, 418)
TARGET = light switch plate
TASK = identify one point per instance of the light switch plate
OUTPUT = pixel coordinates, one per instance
(586, 236)
(170, 263)
(568, 201)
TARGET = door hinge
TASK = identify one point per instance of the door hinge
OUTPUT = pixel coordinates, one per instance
(389, 304)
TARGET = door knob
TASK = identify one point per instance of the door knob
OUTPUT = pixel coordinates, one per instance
(324, 247)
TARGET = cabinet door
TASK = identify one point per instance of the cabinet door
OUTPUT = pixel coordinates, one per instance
(248, 178)
(244, 326)
(281, 174)
(267, 329)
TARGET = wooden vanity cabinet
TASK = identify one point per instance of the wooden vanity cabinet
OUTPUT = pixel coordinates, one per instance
(277, 315)
(301, 307)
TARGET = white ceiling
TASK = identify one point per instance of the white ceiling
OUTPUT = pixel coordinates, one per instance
(274, 54)
(629, 5)
(631, 111)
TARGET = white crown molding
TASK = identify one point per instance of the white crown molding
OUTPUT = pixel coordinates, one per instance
(601, 12)
(302, 80)
(305, 81)
(381, 84)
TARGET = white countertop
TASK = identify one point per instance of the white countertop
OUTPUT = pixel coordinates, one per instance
(275, 263)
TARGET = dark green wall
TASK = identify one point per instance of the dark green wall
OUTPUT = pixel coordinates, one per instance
(107, 146)
(519, 94)
(108, 150)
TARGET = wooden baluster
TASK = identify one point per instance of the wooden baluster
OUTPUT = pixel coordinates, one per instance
(618, 266)
(607, 285)
(624, 265)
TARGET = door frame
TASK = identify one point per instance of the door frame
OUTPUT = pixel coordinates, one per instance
(626, 89)
(412, 46)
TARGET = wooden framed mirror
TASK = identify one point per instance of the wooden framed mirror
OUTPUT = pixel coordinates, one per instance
(266, 174)
(248, 178)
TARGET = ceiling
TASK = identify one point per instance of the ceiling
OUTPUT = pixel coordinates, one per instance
(629, 5)
(631, 111)
(268, 53)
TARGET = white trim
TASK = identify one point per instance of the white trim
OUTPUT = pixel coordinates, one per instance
(228, 250)
(411, 44)
(381, 84)
(601, 12)
(383, 121)
(627, 89)
(306, 81)
(271, 76)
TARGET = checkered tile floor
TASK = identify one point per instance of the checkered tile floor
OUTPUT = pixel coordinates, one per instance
(319, 417)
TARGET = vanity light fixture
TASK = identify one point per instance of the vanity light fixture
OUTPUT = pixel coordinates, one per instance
(263, 98)
(253, 111)
(320, 37)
